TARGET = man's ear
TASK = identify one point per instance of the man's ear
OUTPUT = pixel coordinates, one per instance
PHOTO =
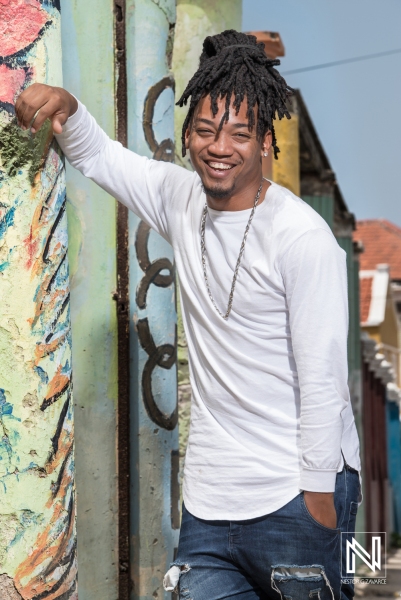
(187, 134)
(267, 141)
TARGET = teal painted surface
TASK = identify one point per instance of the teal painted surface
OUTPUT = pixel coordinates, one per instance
(88, 66)
(153, 448)
(324, 205)
(354, 345)
(394, 460)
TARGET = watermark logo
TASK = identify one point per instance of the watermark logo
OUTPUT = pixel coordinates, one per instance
(363, 563)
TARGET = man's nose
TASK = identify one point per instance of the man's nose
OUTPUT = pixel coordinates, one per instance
(221, 145)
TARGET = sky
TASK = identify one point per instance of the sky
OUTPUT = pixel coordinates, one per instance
(356, 108)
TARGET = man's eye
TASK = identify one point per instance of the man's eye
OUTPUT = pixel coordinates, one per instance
(243, 136)
(203, 131)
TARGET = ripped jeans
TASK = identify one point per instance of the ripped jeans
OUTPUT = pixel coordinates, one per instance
(285, 555)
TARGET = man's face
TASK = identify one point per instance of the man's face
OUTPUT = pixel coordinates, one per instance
(227, 161)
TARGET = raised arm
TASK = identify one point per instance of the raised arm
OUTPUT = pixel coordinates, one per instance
(143, 185)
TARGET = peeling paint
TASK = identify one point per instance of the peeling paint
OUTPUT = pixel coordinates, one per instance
(168, 8)
(7, 589)
(37, 501)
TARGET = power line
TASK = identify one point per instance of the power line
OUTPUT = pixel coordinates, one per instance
(342, 62)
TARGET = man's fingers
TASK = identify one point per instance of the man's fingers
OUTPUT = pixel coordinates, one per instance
(48, 111)
(32, 101)
(57, 124)
(27, 110)
(24, 102)
(40, 102)
(57, 119)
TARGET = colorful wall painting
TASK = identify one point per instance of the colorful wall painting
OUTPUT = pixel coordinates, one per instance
(37, 499)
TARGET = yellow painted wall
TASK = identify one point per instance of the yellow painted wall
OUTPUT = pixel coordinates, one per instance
(389, 327)
(286, 170)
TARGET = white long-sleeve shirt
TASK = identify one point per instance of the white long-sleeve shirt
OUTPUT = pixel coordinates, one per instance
(270, 401)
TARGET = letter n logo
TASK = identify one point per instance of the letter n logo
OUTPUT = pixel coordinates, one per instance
(373, 560)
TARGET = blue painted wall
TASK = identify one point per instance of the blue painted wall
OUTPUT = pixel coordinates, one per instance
(394, 460)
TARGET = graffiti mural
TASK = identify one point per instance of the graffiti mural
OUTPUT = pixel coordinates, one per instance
(37, 499)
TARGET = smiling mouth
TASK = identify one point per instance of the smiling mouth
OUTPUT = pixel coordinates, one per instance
(219, 167)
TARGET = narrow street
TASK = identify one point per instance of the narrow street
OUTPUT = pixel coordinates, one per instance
(392, 589)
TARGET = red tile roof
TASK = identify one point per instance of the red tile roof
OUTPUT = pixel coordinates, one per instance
(365, 292)
(382, 243)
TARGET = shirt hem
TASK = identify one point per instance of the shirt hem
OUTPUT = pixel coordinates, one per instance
(218, 515)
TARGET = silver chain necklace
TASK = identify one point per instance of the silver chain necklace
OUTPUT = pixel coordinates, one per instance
(241, 252)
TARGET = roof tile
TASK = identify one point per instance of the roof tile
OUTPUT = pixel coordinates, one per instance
(382, 244)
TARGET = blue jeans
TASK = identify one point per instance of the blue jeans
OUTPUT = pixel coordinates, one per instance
(285, 555)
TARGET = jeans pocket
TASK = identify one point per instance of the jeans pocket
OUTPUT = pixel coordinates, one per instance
(332, 530)
(353, 509)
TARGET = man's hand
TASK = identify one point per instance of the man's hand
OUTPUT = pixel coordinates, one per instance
(321, 507)
(40, 102)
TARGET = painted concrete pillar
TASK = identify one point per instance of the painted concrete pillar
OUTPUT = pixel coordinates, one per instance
(37, 503)
(88, 72)
(154, 432)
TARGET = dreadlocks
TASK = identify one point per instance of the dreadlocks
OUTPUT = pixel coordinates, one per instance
(234, 63)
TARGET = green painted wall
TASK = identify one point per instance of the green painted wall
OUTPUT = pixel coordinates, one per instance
(354, 344)
(324, 205)
(88, 67)
(37, 499)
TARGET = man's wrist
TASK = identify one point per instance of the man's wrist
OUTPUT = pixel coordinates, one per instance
(73, 104)
(322, 496)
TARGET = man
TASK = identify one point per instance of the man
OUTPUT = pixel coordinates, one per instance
(271, 471)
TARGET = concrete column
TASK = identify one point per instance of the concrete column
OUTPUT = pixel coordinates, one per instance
(153, 383)
(88, 72)
(37, 503)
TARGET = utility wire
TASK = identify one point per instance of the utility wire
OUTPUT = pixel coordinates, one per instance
(341, 62)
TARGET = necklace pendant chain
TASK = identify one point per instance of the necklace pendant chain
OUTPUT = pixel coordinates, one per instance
(237, 266)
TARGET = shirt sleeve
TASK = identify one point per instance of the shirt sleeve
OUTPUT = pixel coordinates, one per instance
(315, 279)
(140, 183)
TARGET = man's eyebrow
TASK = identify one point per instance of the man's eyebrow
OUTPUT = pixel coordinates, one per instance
(213, 123)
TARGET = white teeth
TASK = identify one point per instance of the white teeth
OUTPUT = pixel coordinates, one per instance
(220, 166)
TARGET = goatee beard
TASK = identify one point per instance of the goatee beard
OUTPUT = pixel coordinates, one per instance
(219, 193)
